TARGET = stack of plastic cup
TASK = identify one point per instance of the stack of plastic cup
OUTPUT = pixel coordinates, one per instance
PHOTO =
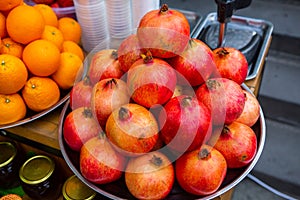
(119, 18)
(91, 15)
(140, 8)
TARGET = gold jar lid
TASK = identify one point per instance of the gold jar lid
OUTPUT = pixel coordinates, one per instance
(36, 169)
(75, 189)
(8, 153)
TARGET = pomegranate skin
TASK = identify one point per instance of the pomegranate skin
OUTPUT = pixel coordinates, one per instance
(107, 95)
(150, 176)
(202, 171)
(105, 64)
(132, 129)
(251, 111)
(231, 63)
(195, 64)
(238, 144)
(185, 123)
(81, 93)
(164, 31)
(129, 51)
(79, 126)
(224, 97)
(152, 82)
(99, 162)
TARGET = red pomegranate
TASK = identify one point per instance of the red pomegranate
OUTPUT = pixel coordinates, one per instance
(225, 99)
(202, 171)
(81, 92)
(150, 176)
(129, 51)
(79, 126)
(231, 63)
(107, 95)
(195, 64)
(165, 32)
(99, 162)
(251, 111)
(132, 129)
(151, 81)
(238, 144)
(104, 64)
(185, 123)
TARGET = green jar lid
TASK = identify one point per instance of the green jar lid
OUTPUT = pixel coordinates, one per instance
(36, 169)
(8, 153)
(75, 189)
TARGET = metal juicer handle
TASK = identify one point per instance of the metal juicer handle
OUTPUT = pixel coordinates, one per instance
(225, 11)
(227, 7)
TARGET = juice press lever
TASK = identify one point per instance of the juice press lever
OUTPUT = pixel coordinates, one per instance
(225, 11)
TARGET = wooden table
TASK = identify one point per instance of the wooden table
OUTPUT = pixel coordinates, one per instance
(43, 133)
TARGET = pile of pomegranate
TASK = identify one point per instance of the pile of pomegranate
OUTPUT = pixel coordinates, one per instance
(162, 108)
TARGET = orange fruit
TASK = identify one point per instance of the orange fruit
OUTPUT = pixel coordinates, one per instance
(3, 31)
(48, 13)
(12, 108)
(41, 57)
(68, 71)
(13, 74)
(70, 46)
(25, 24)
(6, 5)
(40, 93)
(54, 35)
(70, 28)
(9, 46)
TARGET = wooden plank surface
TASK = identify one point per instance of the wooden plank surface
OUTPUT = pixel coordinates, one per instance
(43, 130)
(254, 84)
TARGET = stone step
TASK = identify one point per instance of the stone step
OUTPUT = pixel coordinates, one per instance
(280, 111)
(249, 190)
(280, 78)
(280, 156)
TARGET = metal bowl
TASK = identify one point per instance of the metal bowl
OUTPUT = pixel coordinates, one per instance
(31, 115)
(118, 189)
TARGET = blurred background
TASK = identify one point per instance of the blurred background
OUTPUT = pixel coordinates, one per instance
(279, 95)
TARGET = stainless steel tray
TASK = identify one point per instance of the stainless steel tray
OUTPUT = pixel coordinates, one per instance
(31, 115)
(251, 36)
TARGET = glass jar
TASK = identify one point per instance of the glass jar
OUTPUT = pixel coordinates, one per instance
(9, 165)
(39, 178)
(75, 189)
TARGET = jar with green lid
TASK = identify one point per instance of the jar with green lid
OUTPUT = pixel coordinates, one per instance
(10, 164)
(39, 178)
(75, 189)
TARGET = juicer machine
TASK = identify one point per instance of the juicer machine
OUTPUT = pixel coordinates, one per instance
(249, 35)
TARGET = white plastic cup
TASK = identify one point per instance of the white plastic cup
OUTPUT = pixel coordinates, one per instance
(91, 15)
(140, 8)
(119, 18)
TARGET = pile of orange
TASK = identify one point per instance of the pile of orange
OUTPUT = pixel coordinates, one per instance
(40, 55)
